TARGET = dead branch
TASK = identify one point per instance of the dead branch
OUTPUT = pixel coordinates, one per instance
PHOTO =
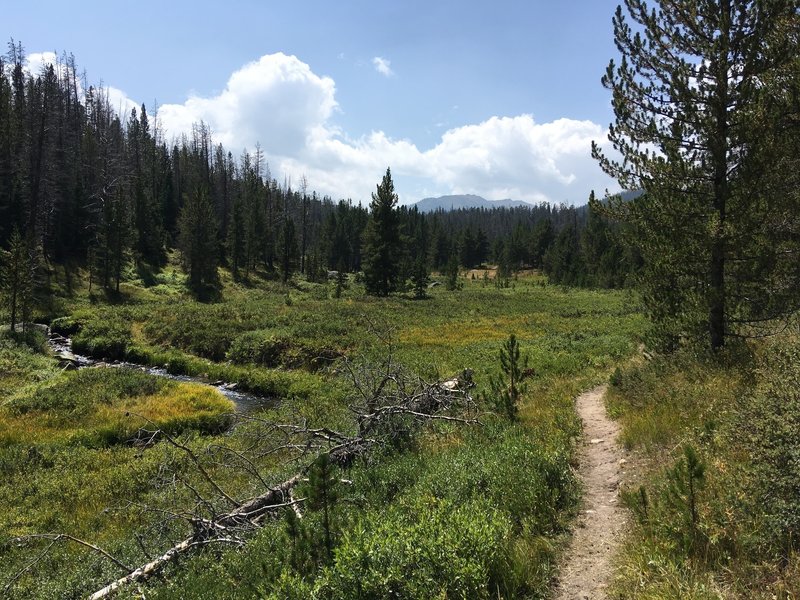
(153, 566)
(55, 538)
(388, 403)
(192, 456)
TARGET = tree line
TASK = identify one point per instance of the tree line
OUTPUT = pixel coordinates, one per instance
(84, 187)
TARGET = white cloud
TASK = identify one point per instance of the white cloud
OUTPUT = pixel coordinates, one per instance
(121, 103)
(276, 101)
(37, 61)
(279, 102)
(502, 157)
(383, 66)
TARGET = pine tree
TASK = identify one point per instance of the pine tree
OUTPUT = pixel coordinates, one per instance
(421, 278)
(451, 271)
(604, 257)
(198, 243)
(382, 247)
(504, 270)
(507, 389)
(703, 131)
(289, 252)
(542, 237)
(322, 495)
(17, 278)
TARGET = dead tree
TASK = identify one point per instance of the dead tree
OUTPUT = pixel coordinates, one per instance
(388, 404)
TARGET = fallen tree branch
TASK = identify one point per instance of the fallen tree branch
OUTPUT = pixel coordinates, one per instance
(54, 538)
(207, 532)
(190, 453)
(390, 403)
(153, 566)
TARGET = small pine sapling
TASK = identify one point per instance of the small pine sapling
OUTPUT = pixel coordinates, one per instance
(508, 387)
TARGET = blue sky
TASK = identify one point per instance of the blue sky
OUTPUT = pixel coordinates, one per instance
(500, 99)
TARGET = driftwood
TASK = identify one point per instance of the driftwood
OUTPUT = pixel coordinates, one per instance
(387, 403)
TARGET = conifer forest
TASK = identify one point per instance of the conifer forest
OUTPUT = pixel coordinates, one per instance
(218, 381)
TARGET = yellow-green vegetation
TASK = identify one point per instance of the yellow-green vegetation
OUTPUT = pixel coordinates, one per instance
(717, 509)
(459, 511)
(103, 406)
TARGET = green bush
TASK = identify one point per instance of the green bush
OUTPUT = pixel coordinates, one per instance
(261, 347)
(107, 339)
(426, 548)
(771, 417)
(66, 326)
(280, 348)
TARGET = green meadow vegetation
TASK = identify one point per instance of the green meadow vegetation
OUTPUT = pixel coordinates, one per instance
(414, 441)
(471, 511)
(716, 508)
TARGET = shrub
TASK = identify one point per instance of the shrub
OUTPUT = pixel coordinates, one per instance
(771, 417)
(425, 548)
(103, 338)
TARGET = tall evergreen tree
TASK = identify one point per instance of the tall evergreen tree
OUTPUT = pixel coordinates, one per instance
(382, 247)
(198, 243)
(563, 262)
(542, 237)
(701, 130)
(17, 271)
(288, 249)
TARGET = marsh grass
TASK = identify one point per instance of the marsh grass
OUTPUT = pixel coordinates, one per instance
(495, 500)
(103, 406)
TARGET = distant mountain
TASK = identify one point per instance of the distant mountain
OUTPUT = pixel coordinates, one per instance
(464, 201)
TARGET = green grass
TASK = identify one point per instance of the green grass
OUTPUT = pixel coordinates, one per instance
(739, 413)
(507, 488)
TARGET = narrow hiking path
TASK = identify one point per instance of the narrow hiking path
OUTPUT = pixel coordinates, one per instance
(585, 571)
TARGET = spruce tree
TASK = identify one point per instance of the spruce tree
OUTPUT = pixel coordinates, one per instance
(702, 129)
(323, 494)
(420, 278)
(289, 252)
(382, 247)
(198, 243)
(17, 271)
(507, 389)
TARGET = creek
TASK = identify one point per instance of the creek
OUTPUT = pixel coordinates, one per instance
(243, 402)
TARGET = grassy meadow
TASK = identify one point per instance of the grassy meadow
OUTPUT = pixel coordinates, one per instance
(462, 511)
(716, 505)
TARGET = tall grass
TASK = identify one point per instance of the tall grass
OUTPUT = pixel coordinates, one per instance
(729, 531)
(481, 510)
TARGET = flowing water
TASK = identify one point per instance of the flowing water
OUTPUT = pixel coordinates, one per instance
(244, 402)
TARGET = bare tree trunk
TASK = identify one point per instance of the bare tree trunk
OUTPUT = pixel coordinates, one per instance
(252, 511)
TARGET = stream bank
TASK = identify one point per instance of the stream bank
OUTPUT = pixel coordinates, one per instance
(244, 402)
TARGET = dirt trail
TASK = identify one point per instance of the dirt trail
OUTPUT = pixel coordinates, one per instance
(585, 571)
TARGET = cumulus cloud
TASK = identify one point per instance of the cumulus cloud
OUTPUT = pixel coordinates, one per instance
(276, 100)
(383, 66)
(36, 62)
(120, 102)
(502, 157)
(279, 102)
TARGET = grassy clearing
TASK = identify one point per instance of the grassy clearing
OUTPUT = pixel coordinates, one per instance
(101, 407)
(726, 528)
(483, 508)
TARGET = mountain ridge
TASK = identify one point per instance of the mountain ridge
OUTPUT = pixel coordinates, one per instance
(467, 201)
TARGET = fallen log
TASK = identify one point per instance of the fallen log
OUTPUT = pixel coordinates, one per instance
(153, 566)
(390, 403)
(249, 512)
